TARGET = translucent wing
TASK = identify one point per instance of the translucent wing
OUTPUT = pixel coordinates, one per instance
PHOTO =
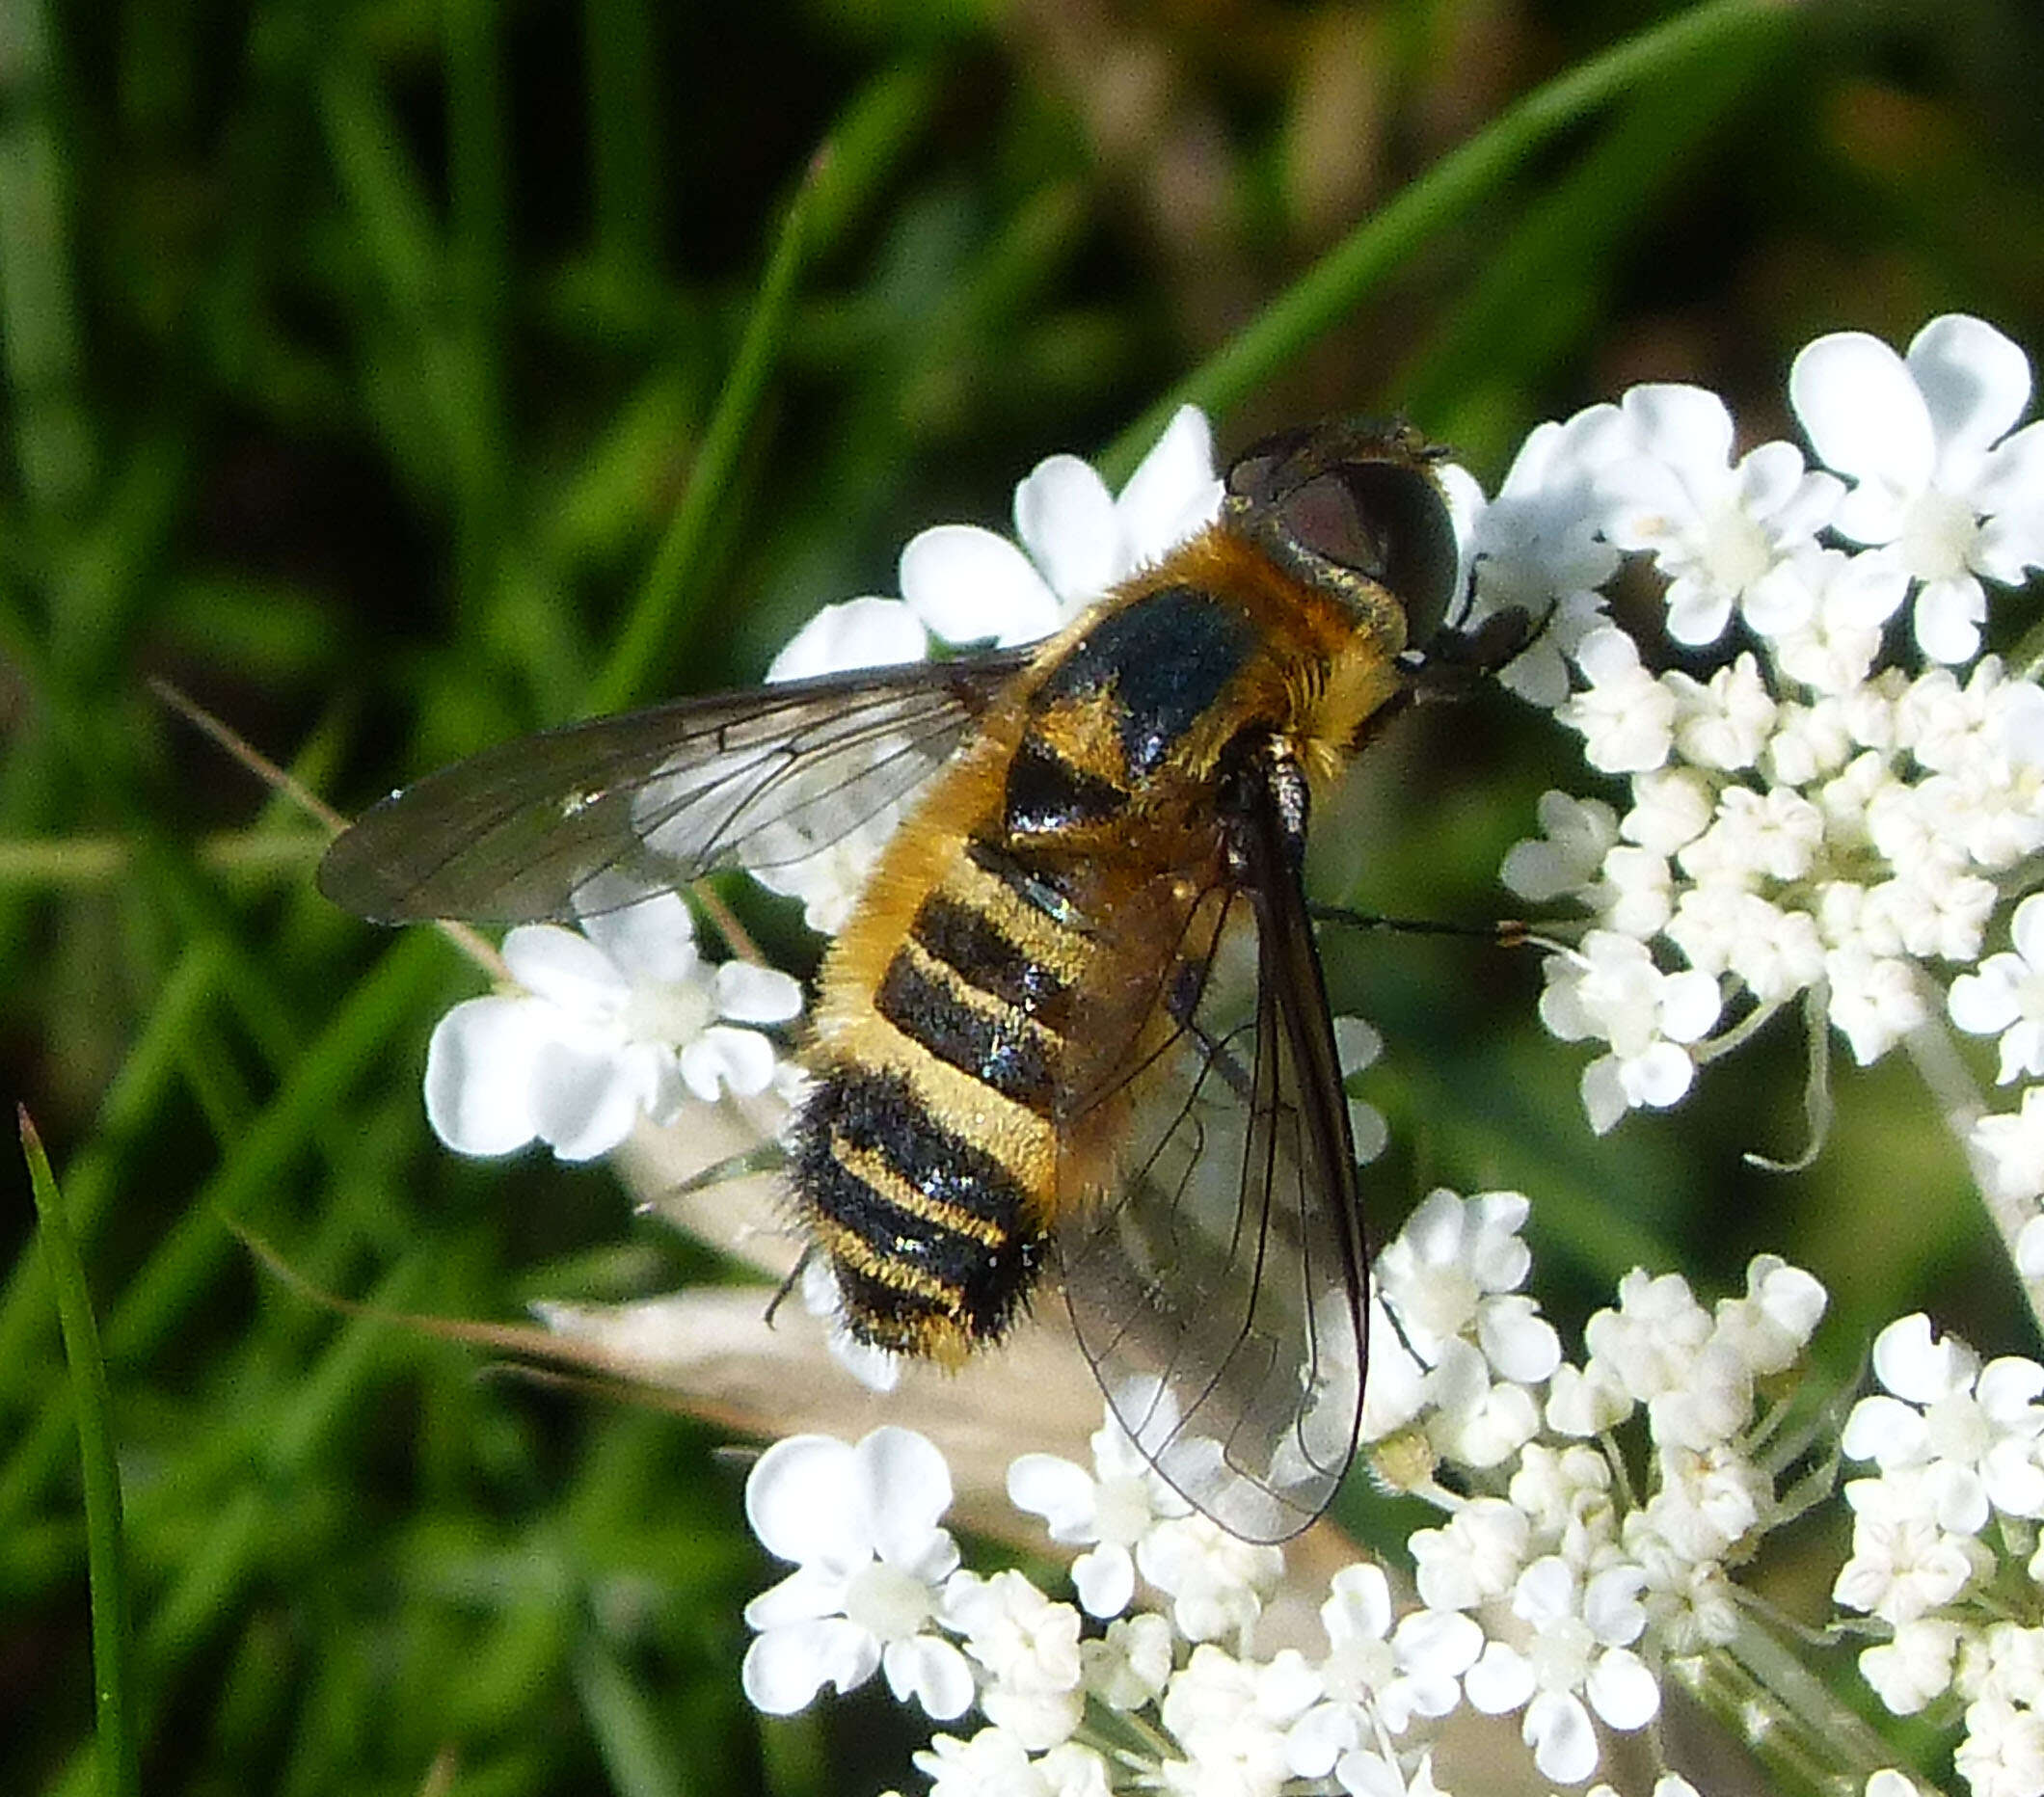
(599, 814)
(1215, 1268)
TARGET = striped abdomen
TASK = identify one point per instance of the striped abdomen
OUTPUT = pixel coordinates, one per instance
(925, 1156)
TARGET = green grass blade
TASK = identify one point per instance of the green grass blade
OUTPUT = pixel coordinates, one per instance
(1446, 193)
(654, 629)
(106, 1549)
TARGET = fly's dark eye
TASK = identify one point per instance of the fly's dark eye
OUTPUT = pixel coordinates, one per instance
(1386, 521)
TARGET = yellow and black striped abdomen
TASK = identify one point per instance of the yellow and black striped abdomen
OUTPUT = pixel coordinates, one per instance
(925, 1156)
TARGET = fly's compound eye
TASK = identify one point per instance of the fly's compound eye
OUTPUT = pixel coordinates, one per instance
(1384, 521)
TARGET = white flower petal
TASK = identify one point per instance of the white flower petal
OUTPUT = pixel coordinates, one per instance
(746, 993)
(857, 633)
(721, 1056)
(968, 584)
(796, 1500)
(1865, 417)
(1623, 1690)
(1173, 491)
(1975, 382)
(1066, 518)
(479, 1073)
(931, 1672)
(1558, 1729)
(1105, 1579)
(565, 967)
(653, 939)
(904, 1487)
(1052, 1488)
(1500, 1680)
(584, 1103)
(786, 1668)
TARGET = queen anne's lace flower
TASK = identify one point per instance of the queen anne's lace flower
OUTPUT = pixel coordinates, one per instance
(1721, 531)
(2006, 996)
(1113, 1509)
(1803, 822)
(1576, 1646)
(621, 1019)
(1977, 1432)
(1940, 487)
(861, 1525)
(1453, 1271)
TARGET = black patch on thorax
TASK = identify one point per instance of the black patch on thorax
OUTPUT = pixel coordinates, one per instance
(1168, 656)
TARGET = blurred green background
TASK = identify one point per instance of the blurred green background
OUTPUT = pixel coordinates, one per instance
(397, 377)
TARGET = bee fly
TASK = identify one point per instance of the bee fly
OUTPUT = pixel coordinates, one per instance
(1076, 1026)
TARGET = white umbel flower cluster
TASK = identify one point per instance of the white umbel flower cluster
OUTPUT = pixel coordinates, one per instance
(1808, 819)
(1553, 1591)
(1945, 1558)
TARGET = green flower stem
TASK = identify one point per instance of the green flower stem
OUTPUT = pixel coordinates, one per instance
(106, 1549)
(1761, 1689)
(1447, 192)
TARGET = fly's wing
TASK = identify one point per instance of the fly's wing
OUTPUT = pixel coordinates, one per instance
(600, 815)
(1213, 1260)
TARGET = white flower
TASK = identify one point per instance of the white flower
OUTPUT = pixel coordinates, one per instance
(1130, 1665)
(621, 1019)
(1772, 1324)
(1112, 1508)
(1975, 1432)
(1233, 1718)
(2007, 1151)
(1903, 1564)
(1566, 1492)
(1577, 1648)
(1454, 1270)
(1646, 1345)
(2003, 1753)
(861, 1525)
(1940, 485)
(1029, 1650)
(1725, 722)
(1474, 1558)
(1216, 1582)
(1626, 718)
(968, 584)
(1908, 1671)
(1717, 529)
(994, 1764)
(1534, 549)
(1610, 990)
(1577, 835)
(2006, 996)
(1373, 1669)
(1875, 1000)
(1477, 1420)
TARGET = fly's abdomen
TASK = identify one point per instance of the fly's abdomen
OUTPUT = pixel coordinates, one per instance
(924, 1159)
